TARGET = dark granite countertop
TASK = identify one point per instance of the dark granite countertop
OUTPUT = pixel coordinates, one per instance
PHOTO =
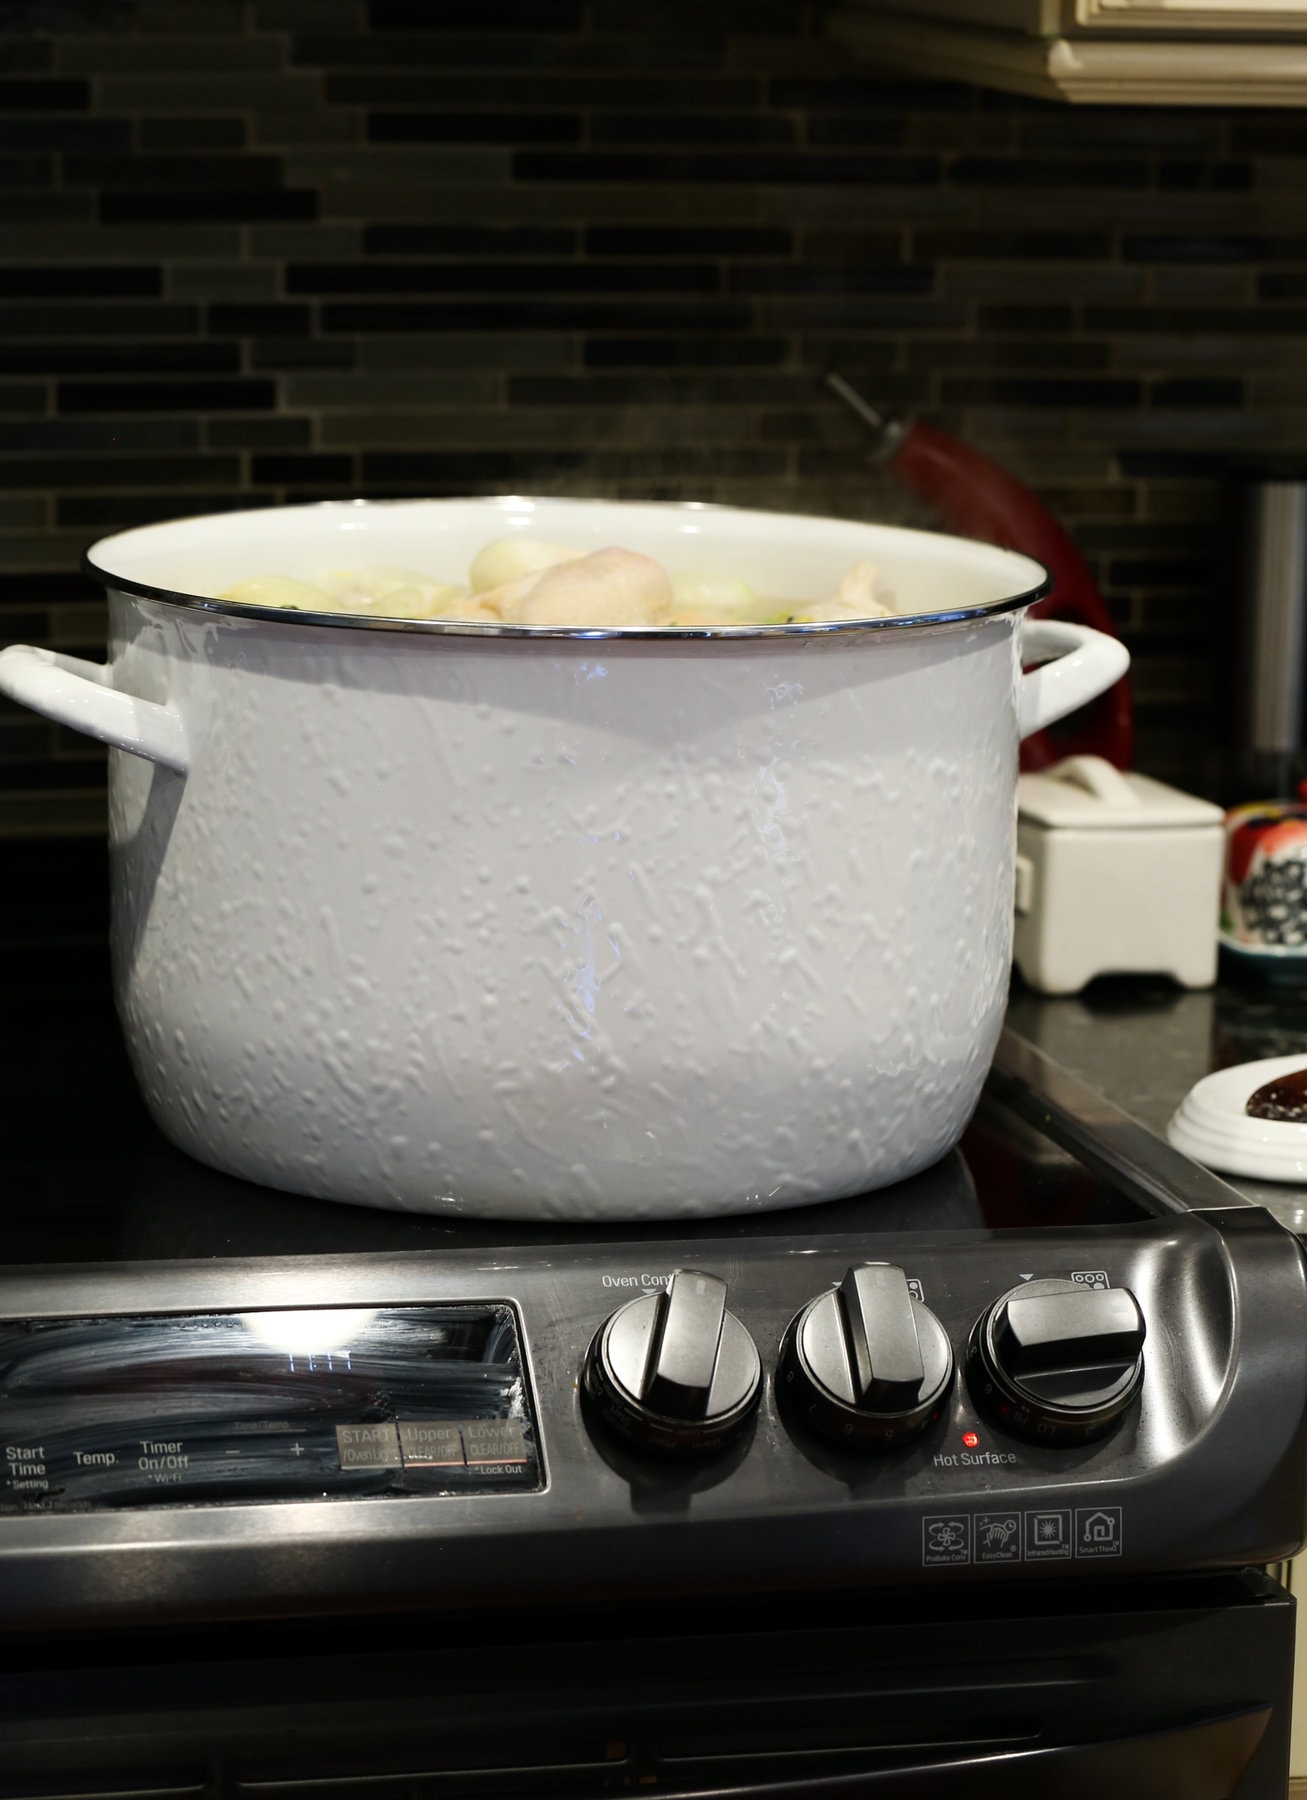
(1143, 1042)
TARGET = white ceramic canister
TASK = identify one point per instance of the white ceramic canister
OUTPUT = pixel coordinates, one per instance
(576, 924)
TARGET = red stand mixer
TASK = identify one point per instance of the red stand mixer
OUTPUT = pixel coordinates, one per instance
(977, 498)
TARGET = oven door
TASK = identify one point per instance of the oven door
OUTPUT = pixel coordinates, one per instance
(1157, 1690)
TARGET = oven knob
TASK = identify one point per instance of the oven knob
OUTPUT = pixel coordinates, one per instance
(866, 1364)
(1058, 1362)
(674, 1370)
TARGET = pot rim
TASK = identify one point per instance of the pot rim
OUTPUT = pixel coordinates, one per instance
(285, 615)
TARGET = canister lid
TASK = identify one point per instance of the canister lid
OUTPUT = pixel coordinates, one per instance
(1087, 794)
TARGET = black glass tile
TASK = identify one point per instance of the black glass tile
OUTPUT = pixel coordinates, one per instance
(865, 311)
(22, 740)
(473, 128)
(1140, 535)
(46, 587)
(1197, 390)
(113, 512)
(738, 17)
(1178, 574)
(1049, 172)
(1161, 128)
(827, 465)
(154, 173)
(684, 352)
(63, 472)
(543, 53)
(69, 278)
(1022, 353)
(475, 15)
(853, 129)
(118, 359)
(415, 467)
(1002, 100)
(302, 353)
(689, 240)
(26, 56)
(270, 320)
(1179, 463)
(21, 627)
(1209, 247)
(469, 240)
(542, 313)
(1269, 134)
(1206, 176)
(258, 434)
(44, 96)
(492, 277)
(707, 128)
(117, 435)
(797, 168)
(854, 93)
(82, 321)
(26, 171)
(657, 387)
(1088, 502)
(1025, 318)
(77, 16)
(1235, 320)
(197, 133)
(45, 207)
(1041, 390)
(208, 205)
(280, 470)
(22, 397)
(965, 243)
(215, 18)
(839, 278)
(248, 395)
(74, 136)
(47, 777)
(361, 86)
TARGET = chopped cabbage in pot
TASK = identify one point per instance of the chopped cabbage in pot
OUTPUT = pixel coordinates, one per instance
(525, 581)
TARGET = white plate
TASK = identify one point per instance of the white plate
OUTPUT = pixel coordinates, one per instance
(1211, 1125)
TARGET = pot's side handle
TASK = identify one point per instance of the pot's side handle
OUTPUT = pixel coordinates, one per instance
(74, 692)
(1076, 664)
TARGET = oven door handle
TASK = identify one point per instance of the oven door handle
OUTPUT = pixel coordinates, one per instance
(1190, 1762)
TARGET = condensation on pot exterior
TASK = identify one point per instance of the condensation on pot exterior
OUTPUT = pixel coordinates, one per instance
(546, 924)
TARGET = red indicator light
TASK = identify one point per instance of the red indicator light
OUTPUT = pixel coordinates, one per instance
(970, 1439)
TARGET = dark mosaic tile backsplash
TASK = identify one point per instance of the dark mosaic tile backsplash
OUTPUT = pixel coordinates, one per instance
(263, 252)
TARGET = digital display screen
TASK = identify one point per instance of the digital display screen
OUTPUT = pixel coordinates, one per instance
(277, 1404)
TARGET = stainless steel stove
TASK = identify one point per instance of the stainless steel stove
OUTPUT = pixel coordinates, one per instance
(964, 1488)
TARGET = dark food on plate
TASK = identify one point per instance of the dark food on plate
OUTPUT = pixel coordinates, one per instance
(1285, 1098)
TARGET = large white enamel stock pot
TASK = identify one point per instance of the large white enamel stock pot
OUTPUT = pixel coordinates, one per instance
(545, 923)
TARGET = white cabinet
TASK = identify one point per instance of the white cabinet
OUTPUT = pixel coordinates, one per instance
(1152, 52)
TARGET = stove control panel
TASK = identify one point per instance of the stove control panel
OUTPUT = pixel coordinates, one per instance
(290, 1403)
(658, 1418)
